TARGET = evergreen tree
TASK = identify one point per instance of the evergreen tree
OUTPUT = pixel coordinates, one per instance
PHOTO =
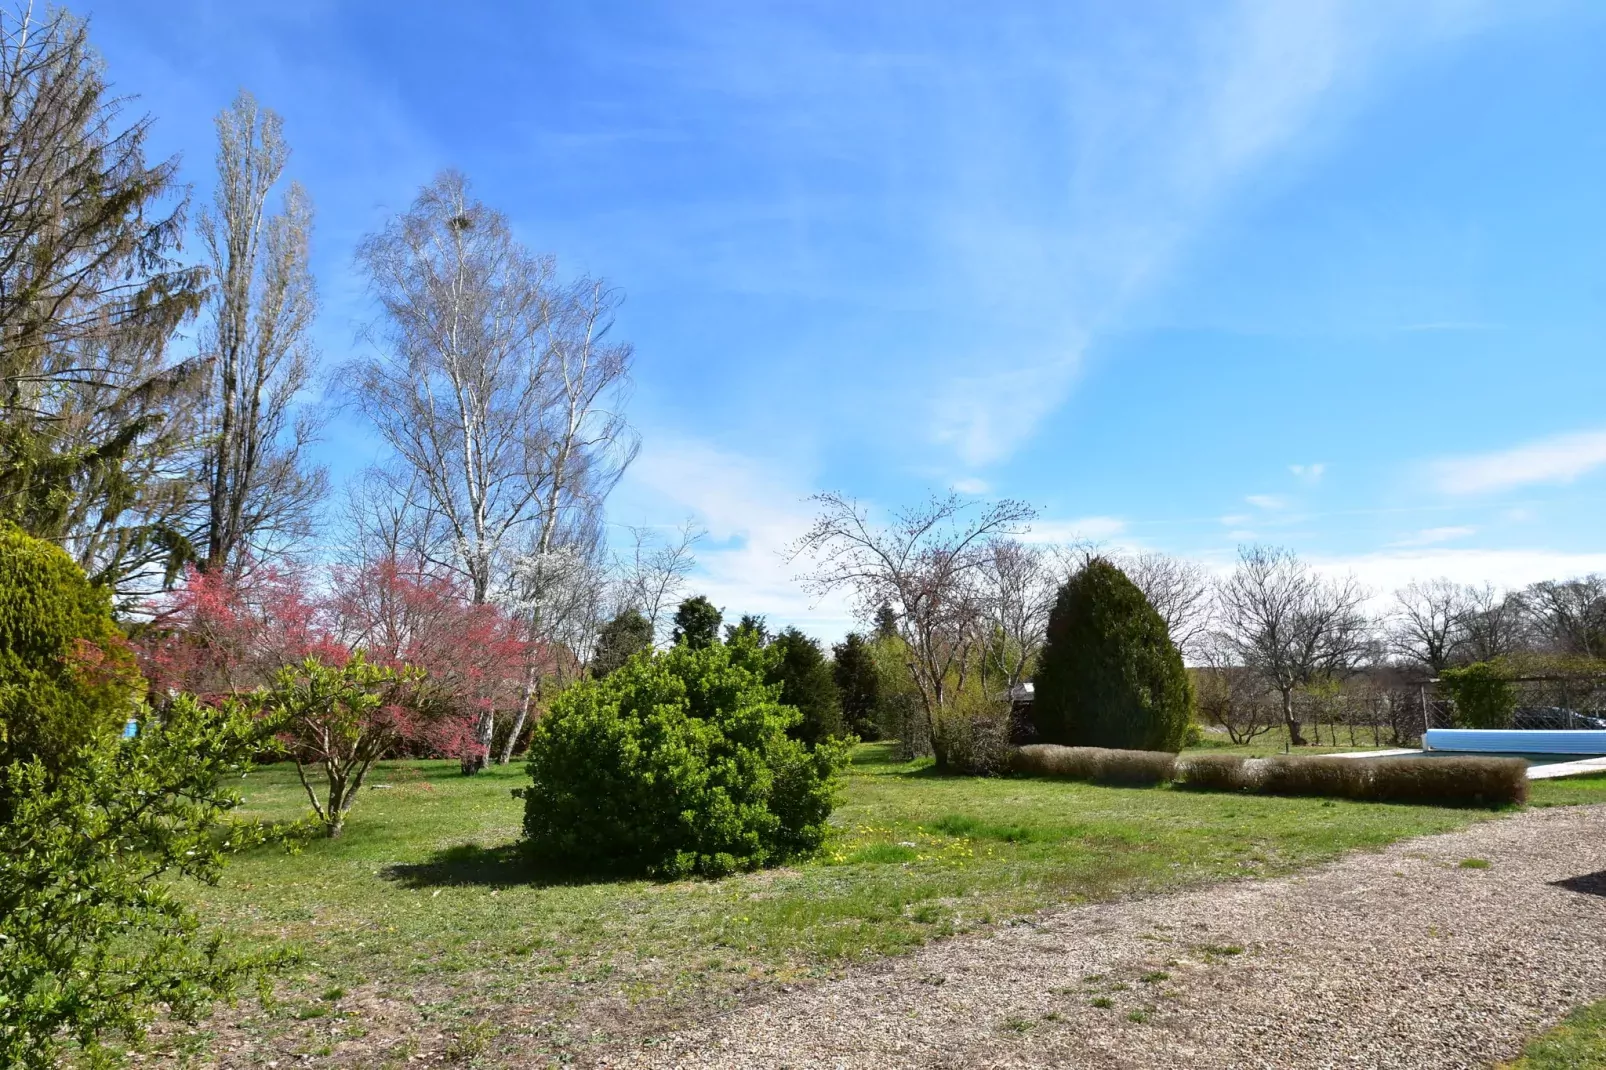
(697, 623)
(94, 412)
(1109, 675)
(886, 622)
(623, 637)
(858, 685)
(751, 626)
(799, 665)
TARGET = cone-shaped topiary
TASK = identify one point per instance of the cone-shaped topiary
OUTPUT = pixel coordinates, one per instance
(1109, 675)
(66, 673)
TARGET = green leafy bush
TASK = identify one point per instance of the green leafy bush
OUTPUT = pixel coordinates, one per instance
(1109, 675)
(1482, 697)
(97, 937)
(972, 737)
(676, 765)
(1097, 765)
(336, 721)
(67, 676)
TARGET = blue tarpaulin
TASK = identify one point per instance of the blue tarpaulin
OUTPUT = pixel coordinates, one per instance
(1515, 741)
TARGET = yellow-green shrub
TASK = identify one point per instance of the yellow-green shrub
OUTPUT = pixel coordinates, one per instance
(66, 674)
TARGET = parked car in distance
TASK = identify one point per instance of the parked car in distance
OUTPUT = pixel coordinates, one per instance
(1554, 717)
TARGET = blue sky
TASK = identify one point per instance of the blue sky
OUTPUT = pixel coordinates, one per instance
(1325, 274)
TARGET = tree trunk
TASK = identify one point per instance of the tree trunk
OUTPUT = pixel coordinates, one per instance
(481, 758)
(1295, 739)
(530, 684)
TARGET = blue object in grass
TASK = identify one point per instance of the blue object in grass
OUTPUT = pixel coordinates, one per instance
(131, 729)
(1515, 741)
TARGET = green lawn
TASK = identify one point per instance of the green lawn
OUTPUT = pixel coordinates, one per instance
(1577, 1043)
(424, 934)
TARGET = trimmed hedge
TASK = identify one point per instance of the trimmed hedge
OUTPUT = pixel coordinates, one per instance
(1098, 765)
(1480, 781)
(1211, 772)
(1473, 781)
(1328, 778)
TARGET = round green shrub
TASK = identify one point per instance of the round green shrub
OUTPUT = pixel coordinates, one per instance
(1483, 697)
(67, 676)
(1109, 675)
(676, 765)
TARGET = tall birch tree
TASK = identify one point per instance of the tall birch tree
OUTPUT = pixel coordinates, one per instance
(500, 391)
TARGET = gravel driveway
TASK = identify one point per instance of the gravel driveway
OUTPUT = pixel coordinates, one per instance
(1404, 958)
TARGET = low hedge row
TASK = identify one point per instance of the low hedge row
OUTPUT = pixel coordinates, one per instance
(1456, 781)
(1098, 765)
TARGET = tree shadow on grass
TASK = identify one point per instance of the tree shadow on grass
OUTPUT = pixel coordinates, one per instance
(506, 866)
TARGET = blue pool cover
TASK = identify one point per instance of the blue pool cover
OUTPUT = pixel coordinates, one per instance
(1515, 741)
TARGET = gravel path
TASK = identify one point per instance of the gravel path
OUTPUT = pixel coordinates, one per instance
(1402, 958)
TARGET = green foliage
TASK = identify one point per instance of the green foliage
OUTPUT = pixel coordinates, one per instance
(66, 675)
(1482, 697)
(628, 634)
(1109, 675)
(94, 418)
(858, 686)
(97, 937)
(900, 713)
(751, 628)
(339, 720)
(799, 665)
(697, 623)
(971, 736)
(676, 765)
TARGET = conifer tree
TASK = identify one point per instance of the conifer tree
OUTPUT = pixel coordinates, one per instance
(1109, 675)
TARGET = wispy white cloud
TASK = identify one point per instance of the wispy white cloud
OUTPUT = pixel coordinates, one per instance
(1433, 536)
(1269, 502)
(1160, 138)
(1557, 459)
(971, 485)
(1389, 570)
(1308, 473)
(753, 509)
